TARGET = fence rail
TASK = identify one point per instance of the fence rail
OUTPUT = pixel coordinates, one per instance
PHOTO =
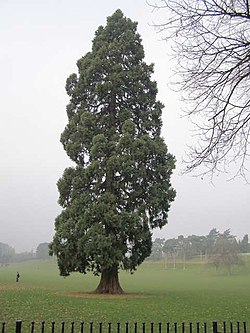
(100, 327)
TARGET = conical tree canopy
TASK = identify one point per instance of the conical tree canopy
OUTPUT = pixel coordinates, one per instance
(119, 189)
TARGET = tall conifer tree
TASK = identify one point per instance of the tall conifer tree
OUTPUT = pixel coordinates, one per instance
(119, 189)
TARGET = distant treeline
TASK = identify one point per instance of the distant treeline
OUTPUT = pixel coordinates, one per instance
(202, 246)
(219, 248)
(8, 254)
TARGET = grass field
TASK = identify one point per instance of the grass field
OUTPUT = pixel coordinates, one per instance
(153, 293)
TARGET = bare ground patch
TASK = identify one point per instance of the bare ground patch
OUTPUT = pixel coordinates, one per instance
(103, 296)
(11, 287)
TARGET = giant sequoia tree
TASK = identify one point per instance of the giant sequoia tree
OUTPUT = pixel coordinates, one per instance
(119, 189)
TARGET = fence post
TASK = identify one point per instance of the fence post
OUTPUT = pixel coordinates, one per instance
(168, 327)
(18, 326)
(244, 327)
(82, 326)
(190, 327)
(205, 327)
(32, 329)
(152, 327)
(160, 325)
(135, 327)
(183, 327)
(126, 327)
(53, 327)
(43, 323)
(62, 330)
(215, 327)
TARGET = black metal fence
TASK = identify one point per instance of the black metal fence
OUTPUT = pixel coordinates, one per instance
(83, 327)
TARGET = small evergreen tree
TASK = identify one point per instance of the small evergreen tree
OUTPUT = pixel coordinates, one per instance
(120, 188)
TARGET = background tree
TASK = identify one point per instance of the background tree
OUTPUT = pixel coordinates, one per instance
(120, 188)
(183, 247)
(170, 248)
(212, 46)
(42, 251)
(220, 249)
(197, 245)
(157, 249)
(211, 239)
(226, 252)
(244, 246)
(7, 253)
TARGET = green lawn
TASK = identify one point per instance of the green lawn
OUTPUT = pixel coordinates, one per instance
(153, 294)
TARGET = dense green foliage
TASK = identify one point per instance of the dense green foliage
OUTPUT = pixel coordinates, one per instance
(155, 293)
(120, 188)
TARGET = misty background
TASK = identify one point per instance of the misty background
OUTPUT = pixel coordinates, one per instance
(41, 41)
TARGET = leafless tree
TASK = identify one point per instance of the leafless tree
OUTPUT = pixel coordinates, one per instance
(211, 43)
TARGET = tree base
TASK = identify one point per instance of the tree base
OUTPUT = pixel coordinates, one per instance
(109, 283)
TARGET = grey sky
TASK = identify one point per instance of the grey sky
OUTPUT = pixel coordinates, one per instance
(41, 40)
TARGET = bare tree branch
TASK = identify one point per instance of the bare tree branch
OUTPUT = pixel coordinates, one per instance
(211, 42)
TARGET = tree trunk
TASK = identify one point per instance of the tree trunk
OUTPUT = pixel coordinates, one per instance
(109, 283)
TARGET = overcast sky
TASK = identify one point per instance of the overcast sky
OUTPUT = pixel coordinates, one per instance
(41, 40)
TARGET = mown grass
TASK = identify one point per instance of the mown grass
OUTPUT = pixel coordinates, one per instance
(153, 294)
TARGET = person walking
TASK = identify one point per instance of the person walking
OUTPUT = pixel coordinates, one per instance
(17, 277)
